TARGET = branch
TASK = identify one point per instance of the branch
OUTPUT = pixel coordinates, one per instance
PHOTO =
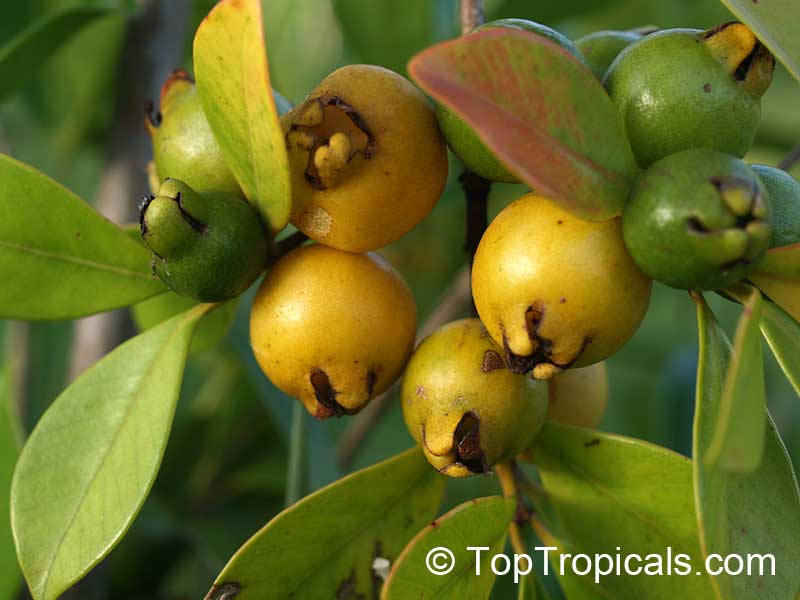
(286, 245)
(471, 15)
(791, 159)
(476, 193)
(153, 48)
(454, 301)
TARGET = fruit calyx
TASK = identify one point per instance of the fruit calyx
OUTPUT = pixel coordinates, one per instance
(464, 447)
(745, 58)
(178, 82)
(165, 222)
(743, 239)
(332, 132)
(325, 393)
(544, 362)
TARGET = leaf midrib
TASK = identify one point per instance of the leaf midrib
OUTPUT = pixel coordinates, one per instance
(135, 399)
(66, 258)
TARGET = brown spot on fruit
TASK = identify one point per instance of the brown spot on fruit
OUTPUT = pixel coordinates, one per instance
(707, 88)
(492, 361)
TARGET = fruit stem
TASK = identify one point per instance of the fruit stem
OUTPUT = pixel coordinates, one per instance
(791, 159)
(508, 483)
(471, 15)
(298, 442)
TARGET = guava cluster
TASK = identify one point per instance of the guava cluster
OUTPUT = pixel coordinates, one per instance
(333, 324)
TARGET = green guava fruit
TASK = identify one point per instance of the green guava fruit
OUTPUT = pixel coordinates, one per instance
(698, 219)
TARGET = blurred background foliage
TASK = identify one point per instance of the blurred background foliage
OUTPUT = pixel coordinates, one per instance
(225, 468)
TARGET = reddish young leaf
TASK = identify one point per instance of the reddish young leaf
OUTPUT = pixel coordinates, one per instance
(539, 110)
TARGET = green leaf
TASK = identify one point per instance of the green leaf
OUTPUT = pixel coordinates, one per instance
(782, 333)
(752, 513)
(737, 441)
(775, 23)
(91, 460)
(479, 523)
(783, 261)
(326, 543)
(783, 292)
(59, 257)
(610, 491)
(21, 57)
(210, 331)
(9, 449)
(230, 62)
(557, 130)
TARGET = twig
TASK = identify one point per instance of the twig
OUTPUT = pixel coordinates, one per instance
(471, 15)
(454, 301)
(153, 48)
(476, 194)
(791, 159)
(507, 476)
(298, 442)
(286, 245)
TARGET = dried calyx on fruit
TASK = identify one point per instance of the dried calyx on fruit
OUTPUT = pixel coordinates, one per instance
(683, 88)
(556, 291)
(698, 219)
(332, 328)
(461, 138)
(367, 160)
(210, 246)
(462, 404)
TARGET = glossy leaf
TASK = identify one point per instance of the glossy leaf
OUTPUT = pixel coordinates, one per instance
(782, 333)
(742, 513)
(775, 23)
(327, 542)
(9, 449)
(90, 462)
(479, 523)
(784, 292)
(230, 62)
(539, 110)
(573, 586)
(783, 261)
(737, 442)
(610, 491)
(210, 331)
(23, 55)
(59, 258)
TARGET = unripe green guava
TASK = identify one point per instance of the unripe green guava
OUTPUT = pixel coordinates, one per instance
(683, 88)
(210, 246)
(784, 202)
(698, 219)
(184, 147)
(600, 48)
